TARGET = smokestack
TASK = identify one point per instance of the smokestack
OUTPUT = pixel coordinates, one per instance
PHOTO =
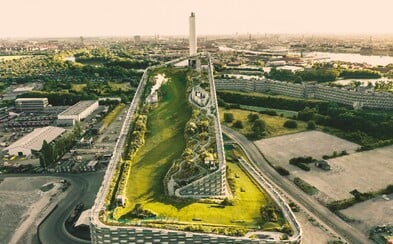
(192, 36)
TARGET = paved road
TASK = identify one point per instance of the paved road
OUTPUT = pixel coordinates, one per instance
(351, 234)
(83, 189)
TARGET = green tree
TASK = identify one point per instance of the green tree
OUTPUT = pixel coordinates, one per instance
(298, 79)
(307, 114)
(311, 125)
(292, 124)
(258, 129)
(228, 117)
(238, 124)
(252, 117)
(47, 156)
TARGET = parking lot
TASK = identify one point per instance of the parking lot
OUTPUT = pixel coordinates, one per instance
(97, 148)
(90, 154)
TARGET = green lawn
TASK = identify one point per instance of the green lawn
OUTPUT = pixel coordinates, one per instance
(109, 118)
(164, 143)
(274, 124)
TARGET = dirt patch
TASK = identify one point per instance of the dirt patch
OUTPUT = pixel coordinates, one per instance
(313, 232)
(310, 143)
(21, 203)
(364, 171)
(368, 214)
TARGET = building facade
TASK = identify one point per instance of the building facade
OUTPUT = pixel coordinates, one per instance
(353, 97)
(78, 111)
(34, 140)
(31, 104)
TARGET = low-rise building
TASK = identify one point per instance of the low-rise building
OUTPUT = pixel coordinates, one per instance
(31, 104)
(78, 111)
(34, 140)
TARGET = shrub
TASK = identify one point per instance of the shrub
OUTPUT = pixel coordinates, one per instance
(291, 124)
(304, 186)
(269, 112)
(228, 117)
(227, 202)
(238, 124)
(282, 171)
(303, 166)
(252, 117)
(311, 125)
(270, 213)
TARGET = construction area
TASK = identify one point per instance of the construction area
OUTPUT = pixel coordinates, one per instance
(25, 201)
(374, 212)
(364, 171)
(315, 144)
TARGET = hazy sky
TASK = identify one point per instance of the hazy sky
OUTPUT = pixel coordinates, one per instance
(38, 18)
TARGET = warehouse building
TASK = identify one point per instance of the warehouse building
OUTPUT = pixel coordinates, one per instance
(78, 111)
(34, 140)
(31, 104)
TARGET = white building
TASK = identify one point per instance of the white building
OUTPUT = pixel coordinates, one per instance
(34, 140)
(31, 104)
(78, 111)
(199, 96)
(192, 36)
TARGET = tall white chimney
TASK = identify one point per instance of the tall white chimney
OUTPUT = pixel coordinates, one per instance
(193, 37)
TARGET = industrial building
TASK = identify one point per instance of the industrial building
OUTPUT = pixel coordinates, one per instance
(78, 111)
(34, 140)
(31, 104)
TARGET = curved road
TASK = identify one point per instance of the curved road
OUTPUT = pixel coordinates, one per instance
(351, 234)
(83, 188)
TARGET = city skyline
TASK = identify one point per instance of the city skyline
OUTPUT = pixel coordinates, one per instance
(45, 18)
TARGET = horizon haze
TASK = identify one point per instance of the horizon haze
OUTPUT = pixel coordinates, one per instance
(46, 18)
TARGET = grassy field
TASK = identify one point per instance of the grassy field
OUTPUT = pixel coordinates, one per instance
(164, 143)
(78, 87)
(274, 124)
(109, 118)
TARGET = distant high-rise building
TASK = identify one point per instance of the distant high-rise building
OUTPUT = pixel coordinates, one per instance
(137, 39)
(193, 37)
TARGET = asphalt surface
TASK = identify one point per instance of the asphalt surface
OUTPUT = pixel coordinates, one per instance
(83, 188)
(325, 216)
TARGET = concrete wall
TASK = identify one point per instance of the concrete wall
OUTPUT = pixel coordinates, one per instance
(380, 100)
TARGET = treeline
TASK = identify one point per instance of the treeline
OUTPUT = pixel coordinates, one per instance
(278, 102)
(322, 74)
(50, 153)
(360, 74)
(131, 63)
(359, 126)
(358, 197)
(59, 98)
